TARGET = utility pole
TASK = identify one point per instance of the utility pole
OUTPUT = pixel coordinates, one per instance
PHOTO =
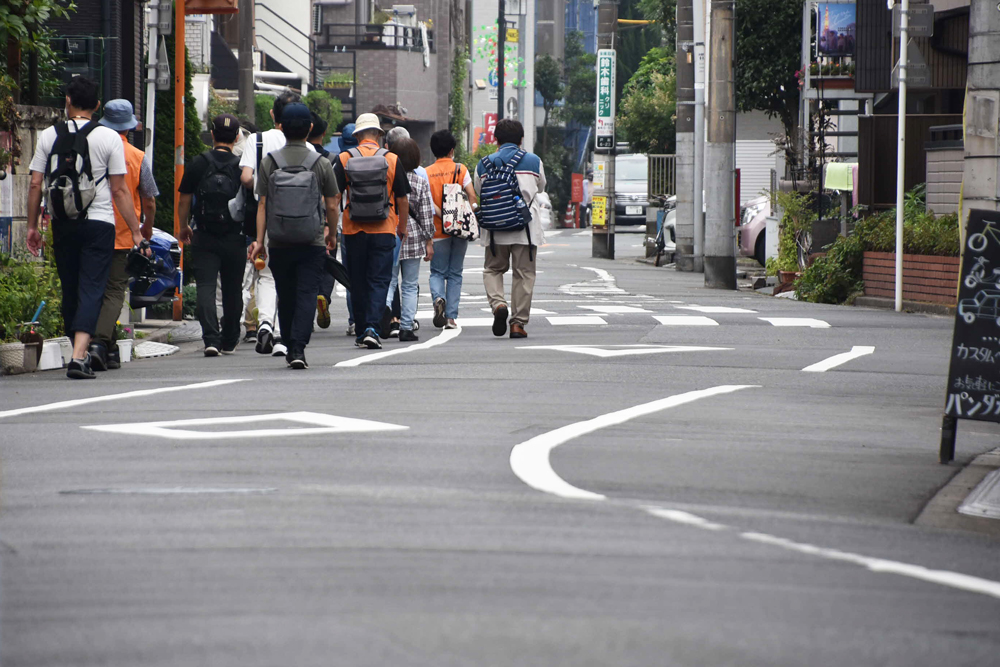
(720, 225)
(981, 183)
(684, 222)
(246, 105)
(603, 237)
(501, 35)
(699, 135)
(904, 24)
(180, 77)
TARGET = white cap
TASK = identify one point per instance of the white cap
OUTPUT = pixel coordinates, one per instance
(367, 121)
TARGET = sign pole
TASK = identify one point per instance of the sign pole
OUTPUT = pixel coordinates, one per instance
(901, 149)
(501, 35)
(179, 89)
(603, 210)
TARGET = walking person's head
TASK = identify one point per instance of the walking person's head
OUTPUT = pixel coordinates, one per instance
(347, 139)
(296, 122)
(394, 135)
(280, 102)
(443, 144)
(119, 116)
(225, 130)
(509, 132)
(318, 132)
(368, 128)
(408, 152)
(82, 96)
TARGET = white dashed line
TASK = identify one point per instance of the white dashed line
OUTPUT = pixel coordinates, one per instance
(796, 322)
(715, 310)
(562, 320)
(840, 359)
(686, 320)
(615, 309)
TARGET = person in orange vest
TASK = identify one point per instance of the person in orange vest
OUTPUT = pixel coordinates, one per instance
(119, 116)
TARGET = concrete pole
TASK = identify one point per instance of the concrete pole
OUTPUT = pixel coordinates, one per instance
(153, 21)
(180, 76)
(603, 239)
(684, 170)
(246, 105)
(720, 225)
(698, 210)
(981, 182)
(904, 23)
(501, 35)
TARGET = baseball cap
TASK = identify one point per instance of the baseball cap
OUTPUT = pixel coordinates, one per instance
(296, 112)
(226, 127)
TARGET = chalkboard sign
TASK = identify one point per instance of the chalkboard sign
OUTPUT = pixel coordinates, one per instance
(974, 375)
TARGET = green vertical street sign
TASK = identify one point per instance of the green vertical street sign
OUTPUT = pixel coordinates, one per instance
(605, 98)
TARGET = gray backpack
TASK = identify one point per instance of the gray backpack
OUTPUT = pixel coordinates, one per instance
(294, 201)
(367, 186)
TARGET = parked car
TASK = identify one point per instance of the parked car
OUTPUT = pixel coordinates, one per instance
(985, 304)
(631, 189)
(753, 228)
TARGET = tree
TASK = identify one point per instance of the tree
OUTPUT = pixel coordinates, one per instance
(326, 107)
(768, 54)
(648, 110)
(22, 30)
(548, 84)
(581, 81)
(457, 120)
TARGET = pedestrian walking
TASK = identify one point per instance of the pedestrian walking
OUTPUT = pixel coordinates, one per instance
(218, 245)
(347, 142)
(449, 251)
(261, 145)
(326, 282)
(299, 205)
(507, 182)
(79, 165)
(120, 117)
(419, 240)
(375, 213)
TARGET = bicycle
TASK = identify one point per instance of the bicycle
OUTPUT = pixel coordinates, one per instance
(978, 241)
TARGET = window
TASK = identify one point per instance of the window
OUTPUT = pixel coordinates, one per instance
(317, 19)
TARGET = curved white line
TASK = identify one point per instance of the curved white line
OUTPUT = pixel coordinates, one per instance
(530, 459)
(445, 336)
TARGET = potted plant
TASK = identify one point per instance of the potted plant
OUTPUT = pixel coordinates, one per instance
(124, 339)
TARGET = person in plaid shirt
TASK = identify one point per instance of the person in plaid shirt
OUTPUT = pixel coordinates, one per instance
(419, 239)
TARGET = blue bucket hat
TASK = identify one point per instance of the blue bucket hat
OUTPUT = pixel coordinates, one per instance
(347, 139)
(119, 116)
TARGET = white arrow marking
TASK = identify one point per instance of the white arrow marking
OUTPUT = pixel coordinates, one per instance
(321, 425)
(840, 359)
(796, 322)
(604, 283)
(530, 459)
(604, 352)
(441, 339)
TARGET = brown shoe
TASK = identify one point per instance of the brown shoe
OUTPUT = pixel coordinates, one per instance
(517, 331)
(500, 320)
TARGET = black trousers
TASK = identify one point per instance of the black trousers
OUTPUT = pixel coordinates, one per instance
(297, 272)
(83, 250)
(222, 258)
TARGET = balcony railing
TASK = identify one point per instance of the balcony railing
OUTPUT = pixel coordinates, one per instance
(373, 36)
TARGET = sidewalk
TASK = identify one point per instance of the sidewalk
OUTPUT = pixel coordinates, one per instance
(169, 331)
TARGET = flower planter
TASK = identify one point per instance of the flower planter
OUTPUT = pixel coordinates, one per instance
(788, 276)
(926, 278)
(834, 83)
(125, 350)
(12, 358)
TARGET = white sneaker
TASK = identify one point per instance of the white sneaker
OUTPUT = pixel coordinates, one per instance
(211, 351)
(279, 350)
(350, 330)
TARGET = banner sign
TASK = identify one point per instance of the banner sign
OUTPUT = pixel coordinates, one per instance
(605, 98)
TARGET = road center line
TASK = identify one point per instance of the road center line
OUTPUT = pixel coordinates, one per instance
(112, 397)
(840, 359)
(441, 339)
(530, 459)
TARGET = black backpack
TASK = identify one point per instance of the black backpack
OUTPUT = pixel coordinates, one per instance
(70, 187)
(217, 186)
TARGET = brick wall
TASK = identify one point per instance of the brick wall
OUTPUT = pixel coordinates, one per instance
(376, 78)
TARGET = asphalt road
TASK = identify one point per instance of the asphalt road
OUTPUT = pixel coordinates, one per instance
(748, 513)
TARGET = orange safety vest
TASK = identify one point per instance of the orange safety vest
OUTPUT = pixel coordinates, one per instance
(133, 165)
(368, 148)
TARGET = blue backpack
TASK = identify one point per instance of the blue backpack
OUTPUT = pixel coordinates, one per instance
(501, 206)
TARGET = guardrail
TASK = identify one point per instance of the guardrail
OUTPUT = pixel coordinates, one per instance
(662, 175)
(373, 36)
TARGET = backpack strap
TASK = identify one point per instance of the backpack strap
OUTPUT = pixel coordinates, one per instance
(454, 178)
(311, 159)
(260, 148)
(353, 152)
(279, 159)
(81, 146)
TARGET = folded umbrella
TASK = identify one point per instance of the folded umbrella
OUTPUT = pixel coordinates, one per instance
(338, 271)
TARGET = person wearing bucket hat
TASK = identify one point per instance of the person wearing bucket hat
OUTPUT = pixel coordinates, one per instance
(119, 116)
(371, 224)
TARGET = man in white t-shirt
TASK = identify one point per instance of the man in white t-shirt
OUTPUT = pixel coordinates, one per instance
(83, 246)
(261, 280)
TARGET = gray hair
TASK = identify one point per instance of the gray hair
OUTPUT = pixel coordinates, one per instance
(394, 135)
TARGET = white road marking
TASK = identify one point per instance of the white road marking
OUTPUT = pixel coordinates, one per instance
(112, 397)
(440, 339)
(583, 233)
(686, 320)
(534, 311)
(615, 309)
(165, 491)
(562, 320)
(530, 459)
(839, 359)
(604, 283)
(685, 518)
(545, 252)
(321, 425)
(475, 321)
(796, 322)
(716, 310)
(603, 352)
(553, 232)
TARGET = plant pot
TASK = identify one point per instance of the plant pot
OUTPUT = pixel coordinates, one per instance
(125, 349)
(788, 276)
(66, 347)
(12, 357)
(52, 357)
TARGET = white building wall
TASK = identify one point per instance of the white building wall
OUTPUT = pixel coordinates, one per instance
(278, 40)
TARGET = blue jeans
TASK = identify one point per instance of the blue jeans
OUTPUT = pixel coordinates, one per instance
(446, 273)
(409, 288)
(369, 263)
(394, 281)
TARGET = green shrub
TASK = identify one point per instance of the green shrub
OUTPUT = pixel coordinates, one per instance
(835, 277)
(262, 108)
(23, 285)
(326, 107)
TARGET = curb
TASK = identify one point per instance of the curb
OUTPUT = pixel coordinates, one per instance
(908, 306)
(942, 510)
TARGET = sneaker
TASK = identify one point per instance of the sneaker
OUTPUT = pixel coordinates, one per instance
(371, 340)
(385, 323)
(416, 325)
(394, 330)
(322, 312)
(452, 324)
(114, 359)
(350, 330)
(211, 351)
(500, 320)
(407, 335)
(79, 369)
(98, 356)
(265, 341)
(231, 350)
(279, 349)
(251, 337)
(439, 319)
(297, 360)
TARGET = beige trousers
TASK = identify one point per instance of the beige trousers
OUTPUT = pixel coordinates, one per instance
(523, 282)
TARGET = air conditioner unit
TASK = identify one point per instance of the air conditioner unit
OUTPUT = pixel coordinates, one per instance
(404, 15)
